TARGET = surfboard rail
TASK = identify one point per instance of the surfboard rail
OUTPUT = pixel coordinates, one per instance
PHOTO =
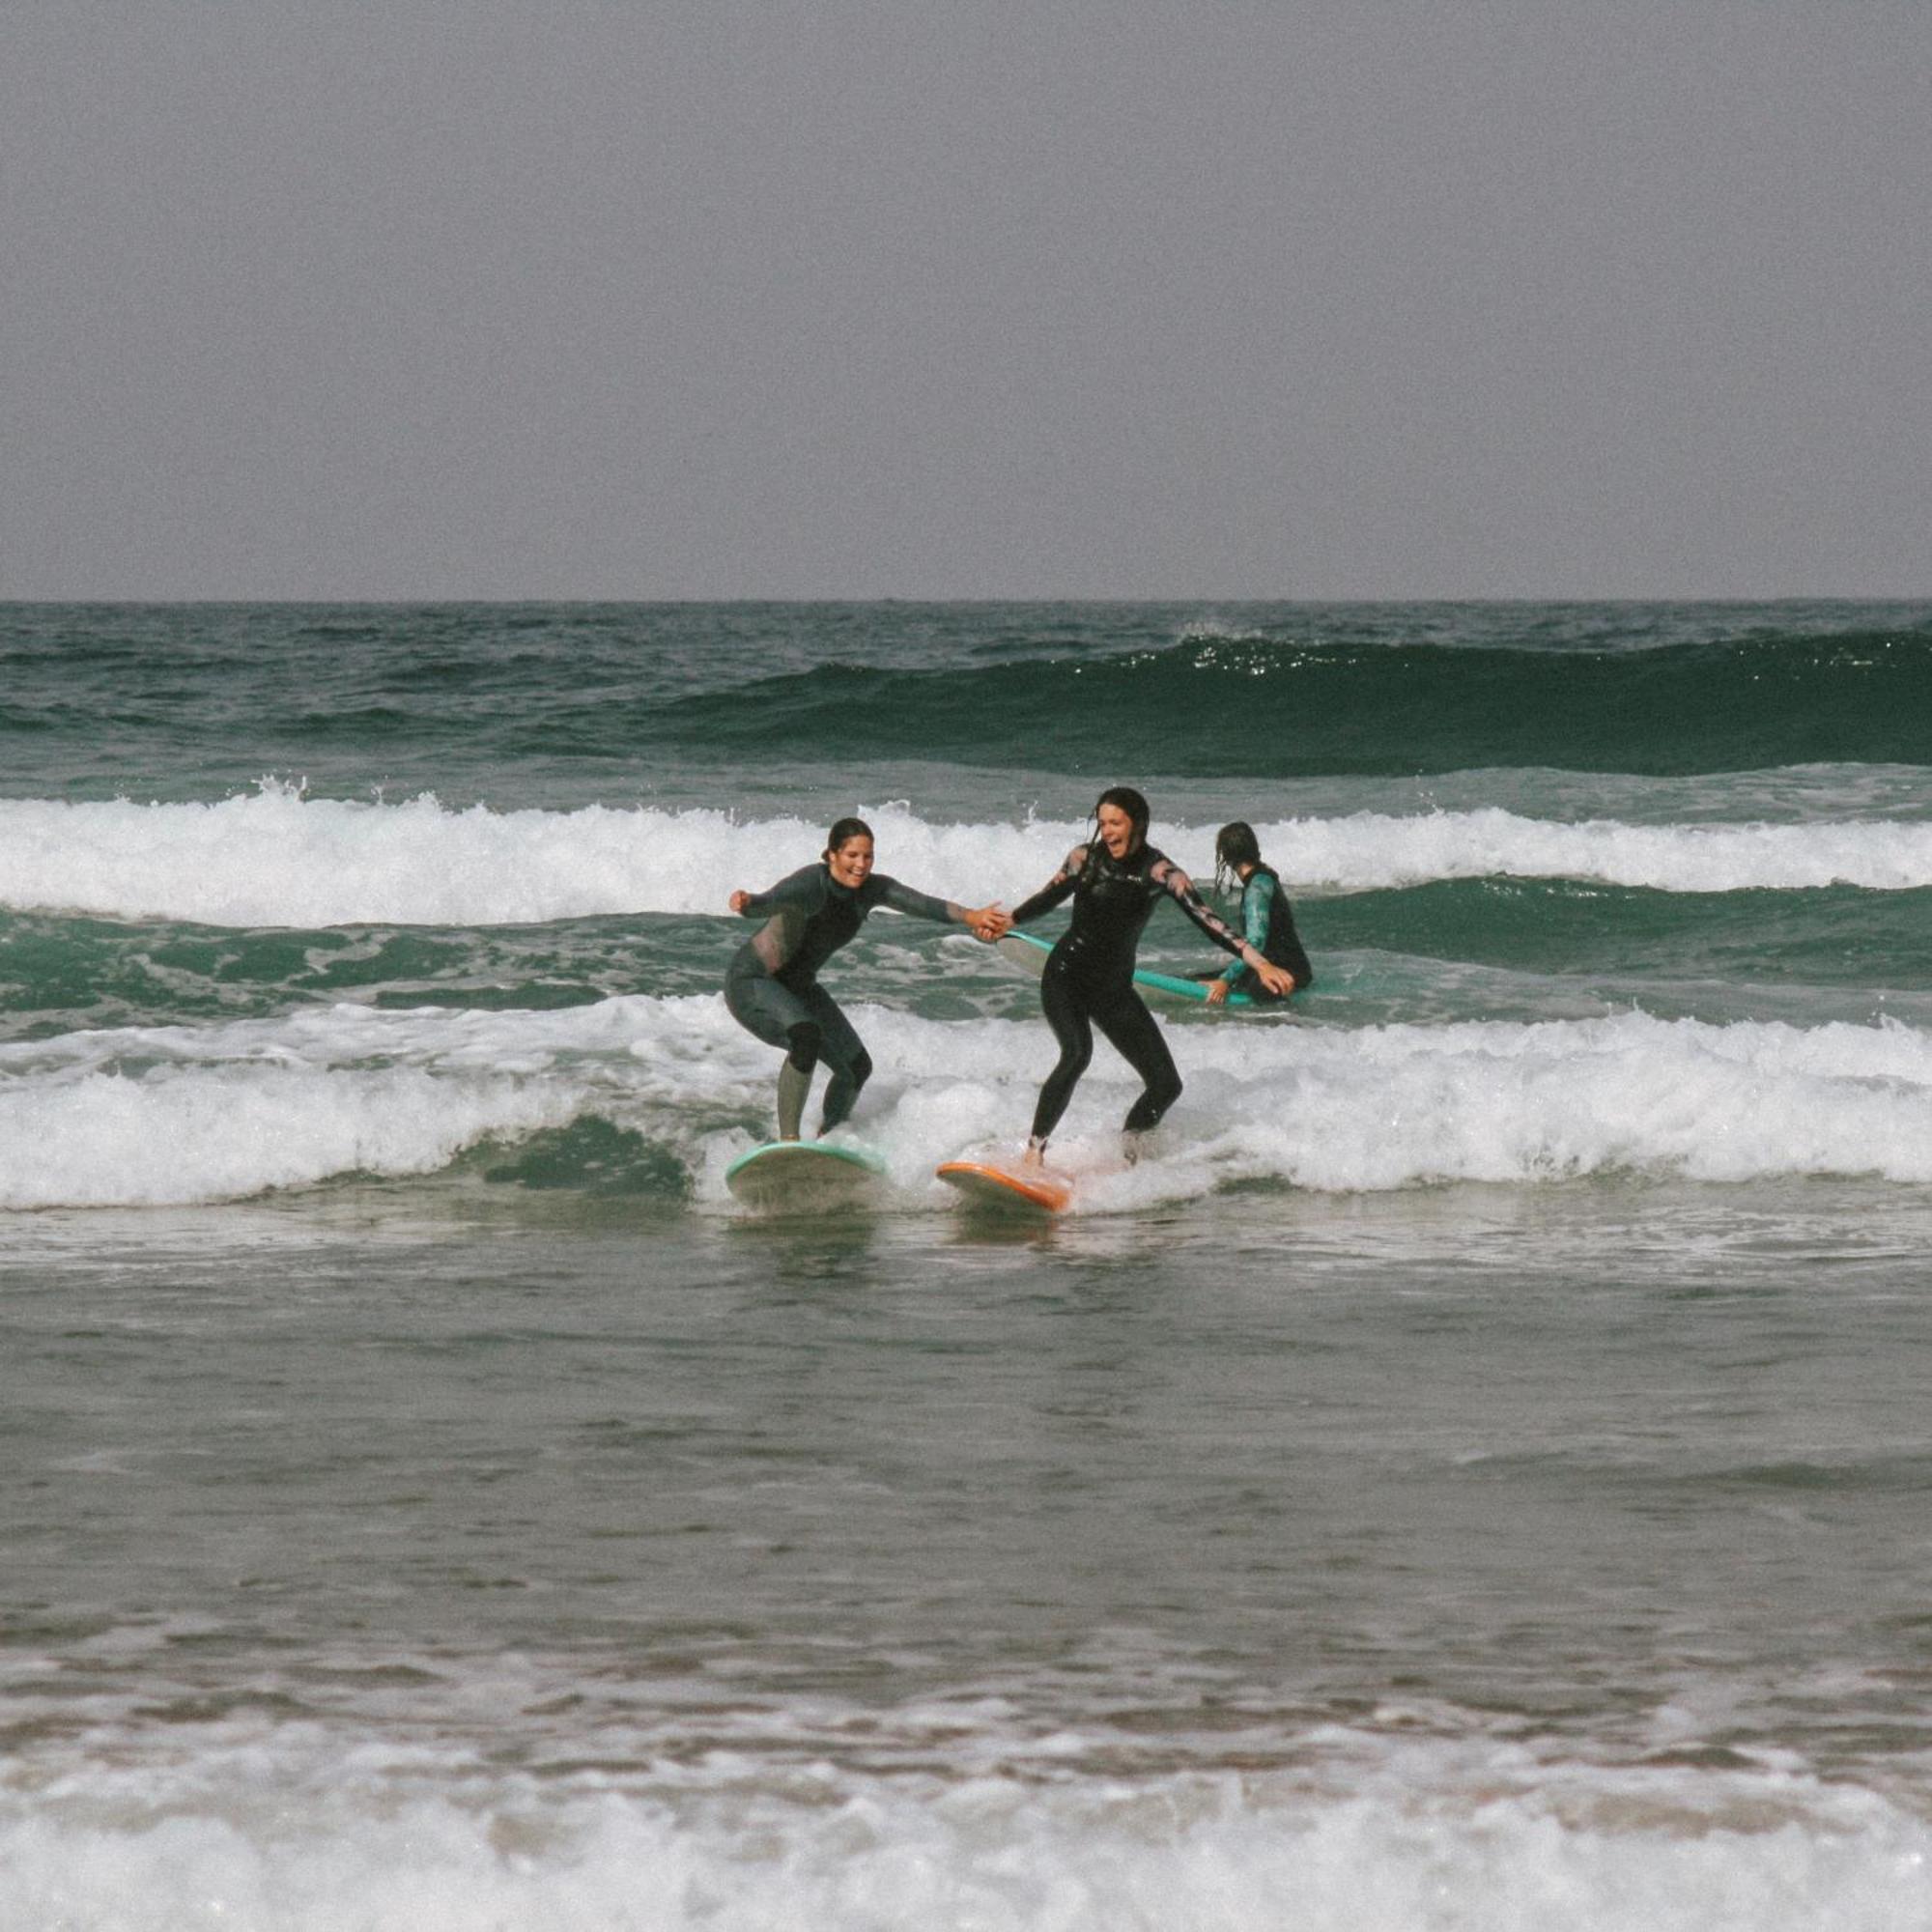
(986, 1184)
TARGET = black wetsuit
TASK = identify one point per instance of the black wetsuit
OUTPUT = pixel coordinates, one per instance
(1088, 979)
(1268, 921)
(772, 985)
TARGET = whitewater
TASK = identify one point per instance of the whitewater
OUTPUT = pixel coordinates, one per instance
(278, 858)
(1365, 1836)
(177, 1114)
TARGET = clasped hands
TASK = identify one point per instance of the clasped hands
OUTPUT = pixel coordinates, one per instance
(989, 923)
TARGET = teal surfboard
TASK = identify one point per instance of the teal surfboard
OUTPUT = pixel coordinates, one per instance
(805, 1176)
(1030, 953)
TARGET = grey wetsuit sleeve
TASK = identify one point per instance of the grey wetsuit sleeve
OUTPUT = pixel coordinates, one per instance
(803, 890)
(897, 897)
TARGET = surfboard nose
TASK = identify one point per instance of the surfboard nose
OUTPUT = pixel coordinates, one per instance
(806, 1177)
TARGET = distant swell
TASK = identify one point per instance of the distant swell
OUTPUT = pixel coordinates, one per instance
(581, 702)
(1213, 706)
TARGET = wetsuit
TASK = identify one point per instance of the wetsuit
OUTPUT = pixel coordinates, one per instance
(1267, 921)
(772, 988)
(1088, 978)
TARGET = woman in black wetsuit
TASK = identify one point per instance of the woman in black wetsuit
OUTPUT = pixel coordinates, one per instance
(1115, 880)
(772, 985)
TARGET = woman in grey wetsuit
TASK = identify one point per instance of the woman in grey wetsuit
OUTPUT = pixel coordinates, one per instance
(1267, 920)
(772, 983)
(1114, 881)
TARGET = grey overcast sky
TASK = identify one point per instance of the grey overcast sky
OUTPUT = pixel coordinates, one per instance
(1296, 298)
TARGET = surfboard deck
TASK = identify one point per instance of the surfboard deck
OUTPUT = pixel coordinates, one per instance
(805, 1176)
(1010, 1190)
(1029, 954)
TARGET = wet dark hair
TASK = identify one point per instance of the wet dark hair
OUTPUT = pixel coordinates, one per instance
(1126, 799)
(844, 829)
(1234, 846)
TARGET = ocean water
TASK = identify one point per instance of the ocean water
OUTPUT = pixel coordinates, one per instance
(1476, 1472)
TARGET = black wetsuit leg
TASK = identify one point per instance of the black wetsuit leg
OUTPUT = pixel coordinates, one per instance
(844, 1052)
(1135, 1034)
(1073, 1010)
(1065, 1007)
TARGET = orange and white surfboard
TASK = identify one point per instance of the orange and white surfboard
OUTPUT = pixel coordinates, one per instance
(985, 1184)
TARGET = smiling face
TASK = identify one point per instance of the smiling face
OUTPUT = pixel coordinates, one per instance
(851, 863)
(1117, 830)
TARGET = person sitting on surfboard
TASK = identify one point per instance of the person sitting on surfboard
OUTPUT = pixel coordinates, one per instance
(1115, 880)
(1267, 920)
(772, 985)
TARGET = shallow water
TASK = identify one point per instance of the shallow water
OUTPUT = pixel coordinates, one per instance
(1602, 1504)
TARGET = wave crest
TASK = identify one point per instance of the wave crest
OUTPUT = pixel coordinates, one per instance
(277, 859)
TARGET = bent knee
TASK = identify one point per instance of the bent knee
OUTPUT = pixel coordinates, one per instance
(1074, 1059)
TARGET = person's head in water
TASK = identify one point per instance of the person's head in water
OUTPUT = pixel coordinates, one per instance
(1121, 820)
(848, 852)
(1234, 846)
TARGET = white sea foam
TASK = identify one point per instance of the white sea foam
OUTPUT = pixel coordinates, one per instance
(175, 1115)
(166, 1116)
(275, 858)
(1409, 1839)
